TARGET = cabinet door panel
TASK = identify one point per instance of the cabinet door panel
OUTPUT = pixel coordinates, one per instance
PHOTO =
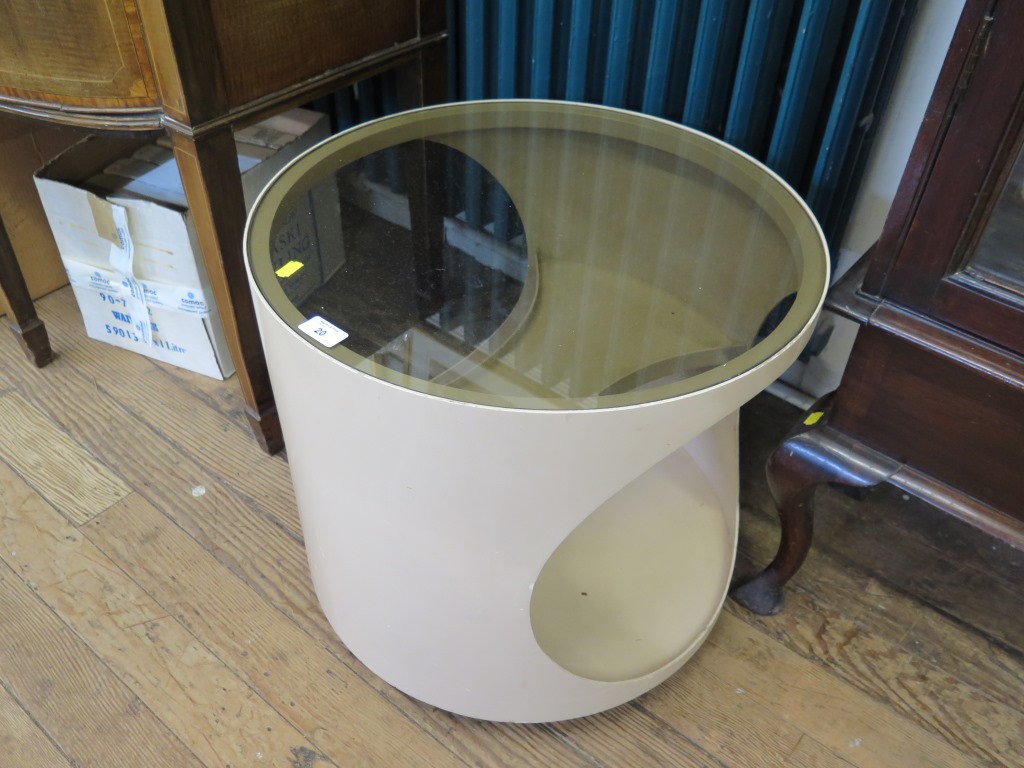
(268, 45)
(80, 53)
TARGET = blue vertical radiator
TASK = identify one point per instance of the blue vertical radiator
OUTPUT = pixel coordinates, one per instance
(799, 84)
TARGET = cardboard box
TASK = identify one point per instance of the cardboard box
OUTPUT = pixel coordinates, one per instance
(118, 215)
(307, 248)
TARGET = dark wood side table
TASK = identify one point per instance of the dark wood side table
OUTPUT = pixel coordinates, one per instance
(932, 399)
(198, 70)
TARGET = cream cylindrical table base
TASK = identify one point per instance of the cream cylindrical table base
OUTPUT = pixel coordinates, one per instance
(510, 564)
(515, 455)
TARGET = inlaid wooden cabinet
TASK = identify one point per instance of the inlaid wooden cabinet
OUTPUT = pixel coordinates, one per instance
(78, 53)
(198, 70)
(932, 399)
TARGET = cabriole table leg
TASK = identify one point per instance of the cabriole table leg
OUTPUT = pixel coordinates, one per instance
(812, 454)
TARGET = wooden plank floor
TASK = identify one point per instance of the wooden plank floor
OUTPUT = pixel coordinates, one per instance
(155, 610)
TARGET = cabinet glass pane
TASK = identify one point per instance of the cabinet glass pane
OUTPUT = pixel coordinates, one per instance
(999, 257)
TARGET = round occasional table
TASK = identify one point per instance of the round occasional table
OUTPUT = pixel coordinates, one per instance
(509, 341)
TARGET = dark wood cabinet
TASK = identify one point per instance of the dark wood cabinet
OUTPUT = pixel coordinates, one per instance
(198, 70)
(963, 165)
(932, 399)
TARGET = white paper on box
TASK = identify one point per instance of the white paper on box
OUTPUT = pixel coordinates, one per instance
(179, 298)
(184, 329)
(182, 340)
(122, 255)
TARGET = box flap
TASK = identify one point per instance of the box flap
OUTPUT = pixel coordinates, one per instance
(70, 211)
(89, 157)
(163, 249)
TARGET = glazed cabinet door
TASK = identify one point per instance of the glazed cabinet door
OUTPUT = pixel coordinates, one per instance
(962, 260)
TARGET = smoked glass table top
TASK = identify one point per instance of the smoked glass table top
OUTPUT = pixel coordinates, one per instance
(537, 255)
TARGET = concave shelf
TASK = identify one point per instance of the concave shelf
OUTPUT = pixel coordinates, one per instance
(639, 582)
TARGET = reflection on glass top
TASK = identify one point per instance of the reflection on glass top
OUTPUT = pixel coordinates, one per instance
(999, 257)
(538, 255)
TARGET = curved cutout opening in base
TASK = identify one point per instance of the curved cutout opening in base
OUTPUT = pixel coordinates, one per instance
(639, 582)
